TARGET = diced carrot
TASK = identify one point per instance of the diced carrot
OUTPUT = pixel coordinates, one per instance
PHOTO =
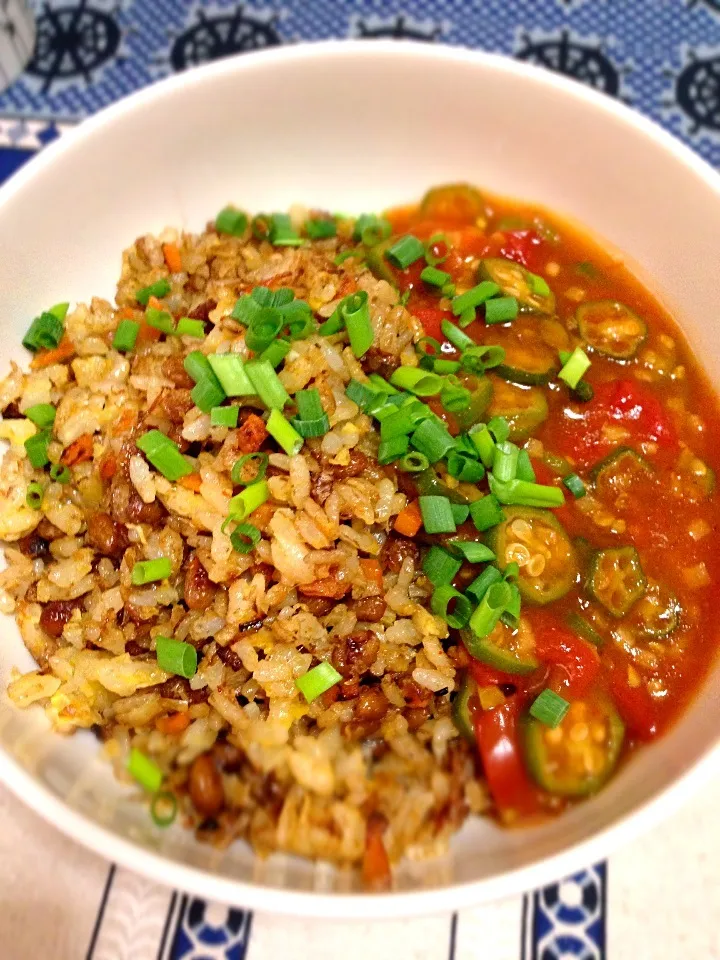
(329, 587)
(172, 257)
(78, 451)
(155, 303)
(45, 358)
(126, 313)
(409, 520)
(174, 724)
(372, 571)
(125, 421)
(251, 434)
(148, 334)
(191, 482)
(108, 466)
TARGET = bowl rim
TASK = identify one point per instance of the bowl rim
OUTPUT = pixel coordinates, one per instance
(433, 900)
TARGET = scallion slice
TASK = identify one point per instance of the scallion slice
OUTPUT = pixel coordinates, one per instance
(284, 433)
(266, 383)
(575, 485)
(525, 494)
(499, 428)
(432, 438)
(437, 249)
(317, 681)
(263, 329)
(282, 233)
(414, 462)
(148, 571)
(392, 449)
(549, 708)
(163, 808)
(59, 473)
(444, 597)
(160, 319)
(36, 448)
(501, 310)
(244, 538)
(454, 396)
(444, 367)
(41, 414)
(187, 327)
(437, 515)
(480, 585)
(574, 368)
(147, 773)
(525, 469)
(224, 416)
(309, 404)
(231, 221)
(420, 382)
(248, 500)
(375, 232)
(356, 316)
(126, 335)
(161, 288)
(164, 454)
(34, 495)
(472, 551)
(456, 336)
(473, 298)
(405, 251)
(312, 428)
(238, 474)
(484, 443)
(45, 332)
(439, 566)
(464, 468)
(538, 285)
(486, 513)
(505, 462)
(434, 277)
(176, 656)
(489, 611)
(207, 392)
(230, 372)
(276, 353)
(460, 512)
(318, 228)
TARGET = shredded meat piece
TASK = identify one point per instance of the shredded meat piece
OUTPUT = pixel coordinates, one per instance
(229, 657)
(173, 369)
(370, 609)
(395, 550)
(34, 546)
(173, 405)
(198, 590)
(354, 655)
(55, 615)
(377, 361)
(106, 535)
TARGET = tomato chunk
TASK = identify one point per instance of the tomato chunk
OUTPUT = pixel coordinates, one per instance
(497, 734)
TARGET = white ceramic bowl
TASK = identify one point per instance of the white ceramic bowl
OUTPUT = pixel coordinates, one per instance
(353, 126)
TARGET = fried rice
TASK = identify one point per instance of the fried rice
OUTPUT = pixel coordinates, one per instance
(372, 770)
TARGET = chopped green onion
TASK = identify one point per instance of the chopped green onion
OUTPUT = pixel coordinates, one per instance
(400, 423)
(575, 485)
(59, 473)
(472, 551)
(276, 353)
(176, 656)
(467, 317)
(505, 462)
(334, 324)
(41, 414)
(355, 313)
(420, 382)
(475, 297)
(437, 249)
(361, 394)
(375, 232)
(36, 448)
(434, 277)
(230, 372)
(377, 381)
(501, 310)
(549, 708)
(231, 221)
(448, 290)
(512, 571)
(454, 396)
(244, 538)
(45, 331)
(524, 467)
(456, 336)
(584, 630)
(284, 433)
(538, 285)
(34, 495)
(147, 571)
(246, 308)
(263, 296)
(484, 444)
(460, 512)
(282, 297)
(363, 221)
(164, 455)
(266, 383)
(432, 438)
(480, 585)
(486, 513)
(488, 612)
(511, 613)
(525, 494)
(414, 462)
(299, 320)
(238, 473)
(444, 367)
(320, 228)
(163, 808)
(583, 392)
(312, 428)
(282, 233)
(224, 416)
(574, 367)
(478, 359)
(126, 335)
(59, 311)
(443, 597)
(309, 404)
(439, 566)
(317, 681)
(263, 329)
(437, 514)
(161, 288)
(347, 254)
(405, 251)
(464, 468)
(147, 773)
(392, 449)
(207, 392)
(248, 500)
(428, 347)
(499, 428)
(160, 319)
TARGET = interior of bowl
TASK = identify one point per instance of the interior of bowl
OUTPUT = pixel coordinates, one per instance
(264, 132)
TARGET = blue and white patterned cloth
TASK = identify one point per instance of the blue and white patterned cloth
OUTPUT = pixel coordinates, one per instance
(659, 899)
